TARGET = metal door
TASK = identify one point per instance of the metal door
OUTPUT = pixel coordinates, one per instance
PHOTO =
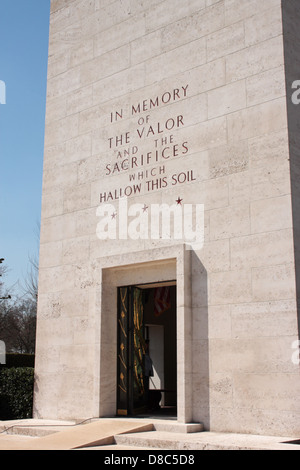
(131, 394)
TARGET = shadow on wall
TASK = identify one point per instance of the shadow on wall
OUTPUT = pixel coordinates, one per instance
(200, 340)
(290, 17)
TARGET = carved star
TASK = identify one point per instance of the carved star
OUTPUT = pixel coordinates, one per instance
(114, 215)
(179, 201)
(145, 208)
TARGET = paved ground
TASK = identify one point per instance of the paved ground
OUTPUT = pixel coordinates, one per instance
(101, 435)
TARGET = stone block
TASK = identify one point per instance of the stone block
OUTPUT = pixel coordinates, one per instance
(226, 41)
(255, 59)
(271, 214)
(229, 222)
(257, 120)
(230, 286)
(262, 249)
(273, 283)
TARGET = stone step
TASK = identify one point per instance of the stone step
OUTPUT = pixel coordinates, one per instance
(38, 429)
(111, 434)
(115, 447)
(160, 440)
(176, 427)
(157, 440)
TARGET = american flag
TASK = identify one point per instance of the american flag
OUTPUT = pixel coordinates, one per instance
(162, 300)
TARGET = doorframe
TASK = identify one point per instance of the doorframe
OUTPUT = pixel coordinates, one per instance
(125, 353)
(150, 266)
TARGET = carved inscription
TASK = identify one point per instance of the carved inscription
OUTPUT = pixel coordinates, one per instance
(142, 152)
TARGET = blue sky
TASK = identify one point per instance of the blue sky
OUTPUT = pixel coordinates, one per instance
(24, 34)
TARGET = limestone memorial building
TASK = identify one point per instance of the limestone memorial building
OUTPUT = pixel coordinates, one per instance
(170, 223)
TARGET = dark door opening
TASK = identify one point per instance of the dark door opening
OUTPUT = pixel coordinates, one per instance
(147, 325)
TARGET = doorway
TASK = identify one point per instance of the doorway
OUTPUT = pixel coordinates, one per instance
(147, 328)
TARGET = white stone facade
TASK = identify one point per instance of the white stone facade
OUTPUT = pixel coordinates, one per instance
(173, 99)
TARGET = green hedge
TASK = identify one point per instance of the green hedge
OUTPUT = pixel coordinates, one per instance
(16, 393)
